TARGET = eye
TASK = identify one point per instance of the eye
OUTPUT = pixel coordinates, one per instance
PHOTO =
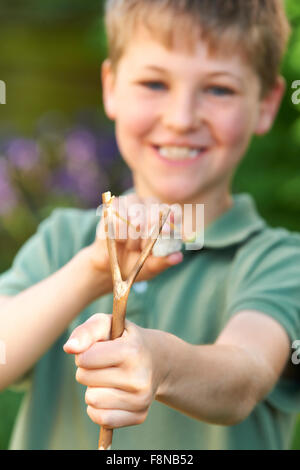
(220, 91)
(154, 85)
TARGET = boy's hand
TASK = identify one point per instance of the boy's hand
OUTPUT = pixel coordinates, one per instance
(131, 229)
(122, 375)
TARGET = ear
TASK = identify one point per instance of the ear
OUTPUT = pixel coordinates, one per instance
(108, 81)
(269, 107)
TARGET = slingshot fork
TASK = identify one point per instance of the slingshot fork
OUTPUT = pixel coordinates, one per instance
(121, 288)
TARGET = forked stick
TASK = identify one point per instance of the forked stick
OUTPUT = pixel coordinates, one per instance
(122, 288)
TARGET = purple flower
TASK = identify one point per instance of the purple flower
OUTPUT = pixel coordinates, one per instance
(90, 186)
(4, 173)
(107, 151)
(8, 198)
(80, 150)
(23, 154)
(63, 181)
(86, 186)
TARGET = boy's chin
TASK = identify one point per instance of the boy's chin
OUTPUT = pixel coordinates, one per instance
(170, 194)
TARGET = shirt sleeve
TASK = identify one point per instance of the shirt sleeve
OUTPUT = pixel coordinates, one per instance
(32, 263)
(57, 239)
(265, 277)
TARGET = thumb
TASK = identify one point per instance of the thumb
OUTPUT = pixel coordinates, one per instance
(96, 328)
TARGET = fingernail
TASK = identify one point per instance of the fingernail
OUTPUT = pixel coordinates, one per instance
(175, 258)
(72, 343)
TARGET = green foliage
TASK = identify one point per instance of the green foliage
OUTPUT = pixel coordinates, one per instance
(270, 169)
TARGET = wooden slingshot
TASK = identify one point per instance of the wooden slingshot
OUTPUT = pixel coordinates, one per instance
(122, 288)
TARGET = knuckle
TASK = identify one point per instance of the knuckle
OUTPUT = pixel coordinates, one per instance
(132, 384)
(144, 385)
(99, 318)
(103, 417)
(77, 360)
(80, 375)
(144, 399)
(91, 398)
(141, 418)
(130, 353)
(98, 326)
(95, 415)
(132, 359)
(141, 387)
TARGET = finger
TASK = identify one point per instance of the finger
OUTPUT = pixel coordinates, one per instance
(96, 328)
(116, 418)
(140, 212)
(102, 354)
(110, 377)
(127, 215)
(136, 221)
(135, 234)
(154, 211)
(155, 265)
(112, 398)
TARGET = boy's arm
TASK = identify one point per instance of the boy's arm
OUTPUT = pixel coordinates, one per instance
(222, 383)
(32, 320)
(3, 299)
(219, 383)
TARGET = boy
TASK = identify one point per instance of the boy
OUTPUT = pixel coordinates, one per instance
(204, 362)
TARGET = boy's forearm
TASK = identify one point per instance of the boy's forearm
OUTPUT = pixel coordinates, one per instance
(31, 321)
(212, 383)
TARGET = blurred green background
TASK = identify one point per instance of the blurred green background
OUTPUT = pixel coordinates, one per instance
(52, 126)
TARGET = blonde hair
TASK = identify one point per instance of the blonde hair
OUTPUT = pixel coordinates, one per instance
(257, 29)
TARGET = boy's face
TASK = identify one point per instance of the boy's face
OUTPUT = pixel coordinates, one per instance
(184, 119)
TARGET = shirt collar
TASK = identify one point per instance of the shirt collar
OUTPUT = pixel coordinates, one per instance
(235, 225)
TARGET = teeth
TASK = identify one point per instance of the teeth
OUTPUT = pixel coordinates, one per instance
(178, 153)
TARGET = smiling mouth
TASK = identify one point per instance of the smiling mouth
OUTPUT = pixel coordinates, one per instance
(176, 153)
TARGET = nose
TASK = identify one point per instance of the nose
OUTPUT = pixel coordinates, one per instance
(181, 114)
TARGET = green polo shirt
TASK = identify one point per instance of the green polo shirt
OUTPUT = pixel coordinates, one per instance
(244, 264)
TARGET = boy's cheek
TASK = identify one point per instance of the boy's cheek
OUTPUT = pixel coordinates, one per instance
(133, 131)
(235, 129)
(136, 116)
